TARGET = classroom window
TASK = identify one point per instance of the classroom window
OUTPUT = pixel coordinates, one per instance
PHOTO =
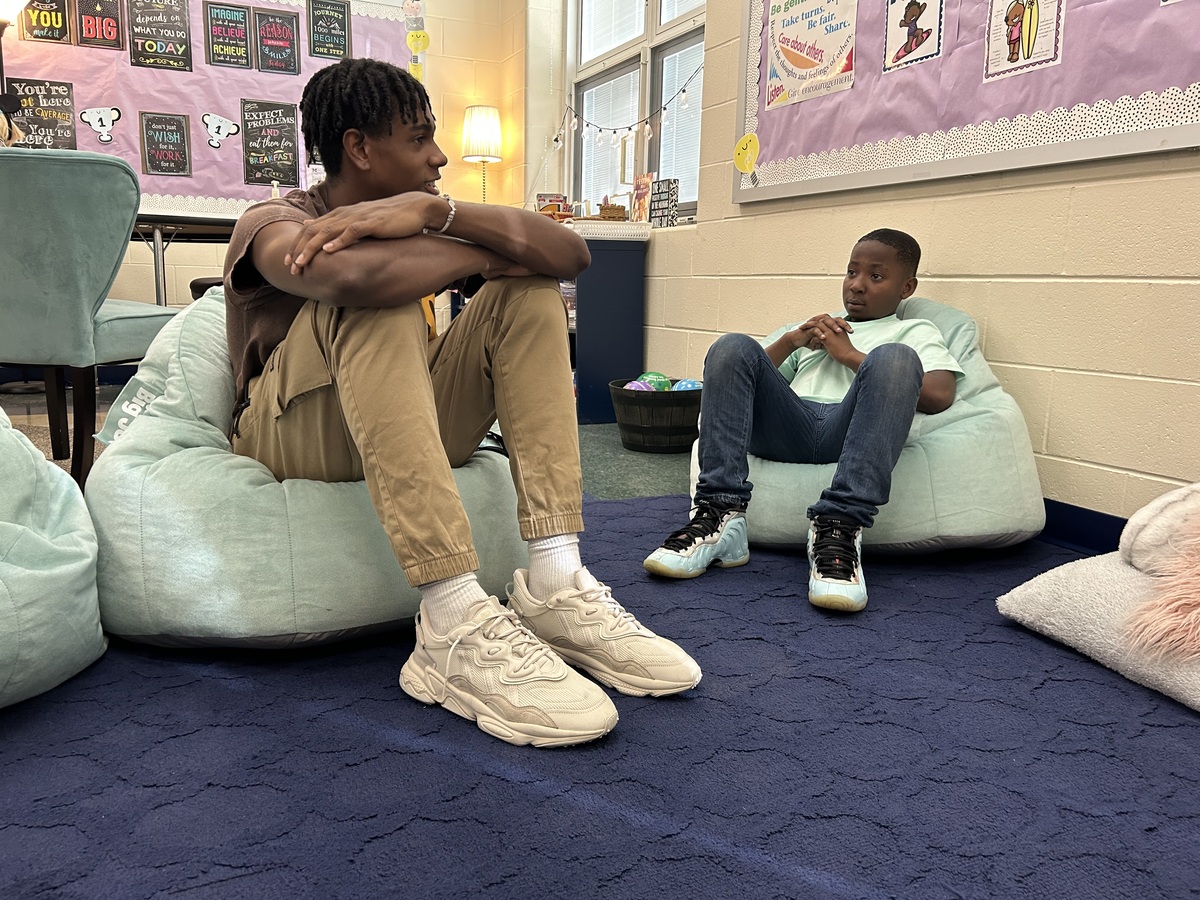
(634, 58)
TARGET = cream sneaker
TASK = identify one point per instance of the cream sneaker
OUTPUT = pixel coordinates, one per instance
(591, 630)
(492, 670)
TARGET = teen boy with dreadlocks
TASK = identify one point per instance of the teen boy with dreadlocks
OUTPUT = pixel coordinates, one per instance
(339, 379)
(832, 389)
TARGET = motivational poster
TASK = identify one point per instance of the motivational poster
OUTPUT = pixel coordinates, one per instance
(227, 35)
(270, 142)
(100, 23)
(277, 39)
(329, 28)
(664, 203)
(166, 148)
(45, 112)
(46, 20)
(160, 35)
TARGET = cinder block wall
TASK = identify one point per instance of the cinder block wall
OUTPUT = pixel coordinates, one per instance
(1085, 281)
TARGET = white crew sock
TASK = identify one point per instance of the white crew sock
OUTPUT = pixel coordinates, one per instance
(446, 602)
(553, 562)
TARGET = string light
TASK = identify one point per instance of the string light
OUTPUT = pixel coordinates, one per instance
(680, 95)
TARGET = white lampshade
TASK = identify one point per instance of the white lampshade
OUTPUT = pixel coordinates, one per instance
(481, 134)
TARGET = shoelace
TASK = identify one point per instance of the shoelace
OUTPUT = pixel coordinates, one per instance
(504, 626)
(834, 551)
(602, 594)
(705, 522)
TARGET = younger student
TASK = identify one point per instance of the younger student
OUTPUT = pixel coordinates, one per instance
(833, 389)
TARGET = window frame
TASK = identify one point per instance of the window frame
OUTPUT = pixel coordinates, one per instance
(646, 54)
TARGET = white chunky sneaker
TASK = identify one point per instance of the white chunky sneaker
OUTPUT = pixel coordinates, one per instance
(492, 670)
(591, 630)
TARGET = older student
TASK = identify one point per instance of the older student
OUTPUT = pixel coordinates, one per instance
(340, 378)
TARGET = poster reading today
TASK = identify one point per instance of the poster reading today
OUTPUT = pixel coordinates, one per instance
(810, 49)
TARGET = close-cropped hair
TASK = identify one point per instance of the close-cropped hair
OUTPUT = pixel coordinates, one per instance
(356, 93)
(908, 251)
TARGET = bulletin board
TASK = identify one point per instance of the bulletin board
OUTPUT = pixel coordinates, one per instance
(200, 97)
(845, 94)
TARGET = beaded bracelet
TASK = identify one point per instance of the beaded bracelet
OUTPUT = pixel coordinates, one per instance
(449, 219)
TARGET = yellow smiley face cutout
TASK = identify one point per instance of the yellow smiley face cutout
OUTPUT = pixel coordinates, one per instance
(418, 41)
(745, 153)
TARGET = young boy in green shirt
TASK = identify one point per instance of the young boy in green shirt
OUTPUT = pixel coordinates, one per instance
(833, 389)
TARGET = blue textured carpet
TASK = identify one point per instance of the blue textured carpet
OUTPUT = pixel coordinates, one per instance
(926, 748)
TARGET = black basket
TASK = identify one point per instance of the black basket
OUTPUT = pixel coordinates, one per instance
(655, 421)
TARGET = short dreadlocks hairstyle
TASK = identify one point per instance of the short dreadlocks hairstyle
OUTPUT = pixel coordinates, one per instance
(908, 251)
(356, 93)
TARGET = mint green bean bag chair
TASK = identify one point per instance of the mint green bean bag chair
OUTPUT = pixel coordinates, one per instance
(966, 477)
(200, 546)
(49, 617)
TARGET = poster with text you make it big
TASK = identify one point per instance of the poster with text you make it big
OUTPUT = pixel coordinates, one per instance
(811, 49)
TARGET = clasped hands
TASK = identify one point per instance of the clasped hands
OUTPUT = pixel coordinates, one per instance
(824, 332)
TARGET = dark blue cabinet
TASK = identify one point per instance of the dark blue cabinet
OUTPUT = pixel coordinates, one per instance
(609, 344)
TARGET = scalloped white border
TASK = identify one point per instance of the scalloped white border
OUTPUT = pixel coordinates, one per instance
(1105, 118)
(177, 204)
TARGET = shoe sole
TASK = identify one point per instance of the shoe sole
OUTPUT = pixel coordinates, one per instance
(418, 682)
(657, 567)
(837, 602)
(632, 687)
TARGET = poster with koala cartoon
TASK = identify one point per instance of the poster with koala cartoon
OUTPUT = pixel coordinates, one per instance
(187, 69)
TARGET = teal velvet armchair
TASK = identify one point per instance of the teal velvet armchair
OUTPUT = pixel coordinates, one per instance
(66, 218)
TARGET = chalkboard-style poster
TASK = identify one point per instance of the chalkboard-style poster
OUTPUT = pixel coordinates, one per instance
(46, 20)
(46, 112)
(227, 35)
(100, 23)
(166, 147)
(270, 142)
(278, 41)
(329, 28)
(160, 35)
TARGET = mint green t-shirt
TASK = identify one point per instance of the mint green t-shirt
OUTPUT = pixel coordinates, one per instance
(815, 375)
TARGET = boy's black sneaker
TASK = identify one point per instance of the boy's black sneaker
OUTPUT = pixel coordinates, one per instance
(715, 536)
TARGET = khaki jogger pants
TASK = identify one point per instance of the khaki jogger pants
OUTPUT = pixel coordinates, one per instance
(359, 393)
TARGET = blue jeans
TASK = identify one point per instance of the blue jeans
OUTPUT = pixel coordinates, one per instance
(748, 407)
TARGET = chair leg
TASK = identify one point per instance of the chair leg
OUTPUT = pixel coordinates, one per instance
(55, 378)
(83, 381)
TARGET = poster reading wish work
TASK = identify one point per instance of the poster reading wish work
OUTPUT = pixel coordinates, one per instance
(810, 47)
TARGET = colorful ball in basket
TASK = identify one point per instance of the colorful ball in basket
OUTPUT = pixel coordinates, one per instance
(638, 385)
(656, 380)
(687, 384)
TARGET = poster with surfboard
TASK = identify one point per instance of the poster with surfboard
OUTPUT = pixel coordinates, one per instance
(811, 49)
(1022, 35)
(914, 32)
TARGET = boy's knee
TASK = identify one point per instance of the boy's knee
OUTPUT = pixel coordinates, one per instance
(729, 350)
(894, 361)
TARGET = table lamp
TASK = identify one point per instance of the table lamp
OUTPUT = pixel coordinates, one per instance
(481, 138)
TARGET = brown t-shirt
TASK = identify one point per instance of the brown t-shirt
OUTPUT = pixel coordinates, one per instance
(258, 314)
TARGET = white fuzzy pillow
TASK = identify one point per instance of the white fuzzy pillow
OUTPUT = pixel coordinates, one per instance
(1151, 540)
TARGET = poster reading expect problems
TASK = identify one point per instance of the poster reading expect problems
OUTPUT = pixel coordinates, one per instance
(46, 113)
(160, 35)
(270, 143)
(166, 148)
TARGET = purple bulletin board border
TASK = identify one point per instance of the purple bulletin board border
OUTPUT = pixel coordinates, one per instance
(1125, 86)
